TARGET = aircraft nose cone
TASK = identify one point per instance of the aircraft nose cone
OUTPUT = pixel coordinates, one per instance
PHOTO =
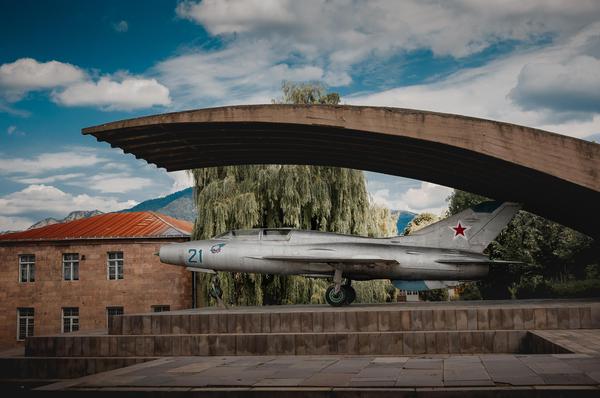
(170, 254)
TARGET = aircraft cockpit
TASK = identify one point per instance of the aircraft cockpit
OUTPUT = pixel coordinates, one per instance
(271, 234)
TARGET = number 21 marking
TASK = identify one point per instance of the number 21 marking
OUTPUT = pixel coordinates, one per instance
(195, 256)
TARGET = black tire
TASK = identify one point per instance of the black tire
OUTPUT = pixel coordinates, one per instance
(215, 289)
(336, 299)
(351, 293)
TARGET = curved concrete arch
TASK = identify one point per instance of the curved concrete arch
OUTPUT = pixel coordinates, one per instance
(555, 176)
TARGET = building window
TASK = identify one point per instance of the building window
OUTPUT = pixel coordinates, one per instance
(70, 319)
(24, 323)
(27, 268)
(161, 308)
(115, 265)
(112, 311)
(71, 266)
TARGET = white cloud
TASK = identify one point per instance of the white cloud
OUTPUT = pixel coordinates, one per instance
(50, 179)
(27, 74)
(249, 73)
(116, 166)
(485, 91)
(427, 197)
(4, 107)
(572, 86)
(116, 183)
(237, 16)
(346, 32)
(79, 157)
(14, 131)
(127, 93)
(72, 86)
(15, 223)
(56, 202)
(181, 180)
(121, 26)
(270, 41)
(352, 30)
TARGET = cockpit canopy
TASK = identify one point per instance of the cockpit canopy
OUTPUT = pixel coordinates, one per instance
(256, 234)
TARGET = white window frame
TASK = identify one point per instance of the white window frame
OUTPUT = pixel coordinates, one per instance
(73, 320)
(115, 264)
(72, 264)
(27, 261)
(29, 322)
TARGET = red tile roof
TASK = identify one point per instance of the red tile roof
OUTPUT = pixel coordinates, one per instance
(145, 224)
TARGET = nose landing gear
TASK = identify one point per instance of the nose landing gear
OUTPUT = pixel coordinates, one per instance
(345, 296)
(338, 294)
(215, 291)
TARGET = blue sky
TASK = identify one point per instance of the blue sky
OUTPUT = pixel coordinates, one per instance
(65, 65)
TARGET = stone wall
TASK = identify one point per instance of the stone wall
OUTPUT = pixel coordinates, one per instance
(146, 282)
(387, 329)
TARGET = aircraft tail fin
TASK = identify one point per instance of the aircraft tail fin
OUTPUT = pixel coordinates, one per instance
(471, 230)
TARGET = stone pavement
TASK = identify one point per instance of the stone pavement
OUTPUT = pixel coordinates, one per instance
(568, 372)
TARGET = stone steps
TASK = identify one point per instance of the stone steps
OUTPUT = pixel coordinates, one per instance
(447, 318)
(581, 341)
(391, 329)
(324, 343)
(62, 367)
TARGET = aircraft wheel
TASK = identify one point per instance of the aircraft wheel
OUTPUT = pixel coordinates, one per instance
(336, 299)
(351, 294)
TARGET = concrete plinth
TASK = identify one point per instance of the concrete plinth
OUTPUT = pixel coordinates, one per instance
(393, 329)
(413, 317)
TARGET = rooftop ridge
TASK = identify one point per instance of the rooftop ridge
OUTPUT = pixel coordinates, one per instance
(163, 218)
(143, 224)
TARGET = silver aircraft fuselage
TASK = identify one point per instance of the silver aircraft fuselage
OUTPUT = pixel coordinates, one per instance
(320, 254)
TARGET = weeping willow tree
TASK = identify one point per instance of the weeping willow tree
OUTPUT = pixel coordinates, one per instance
(420, 222)
(307, 197)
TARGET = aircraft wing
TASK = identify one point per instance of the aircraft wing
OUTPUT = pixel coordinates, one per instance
(333, 260)
(466, 261)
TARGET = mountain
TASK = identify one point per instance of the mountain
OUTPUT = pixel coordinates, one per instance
(179, 205)
(74, 215)
(404, 217)
(44, 222)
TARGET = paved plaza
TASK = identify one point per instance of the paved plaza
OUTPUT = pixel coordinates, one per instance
(297, 372)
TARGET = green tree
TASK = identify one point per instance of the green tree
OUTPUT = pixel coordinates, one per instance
(306, 94)
(307, 197)
(550, 252)
(461, 200)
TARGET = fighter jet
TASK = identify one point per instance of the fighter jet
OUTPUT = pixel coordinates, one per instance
(440, 255)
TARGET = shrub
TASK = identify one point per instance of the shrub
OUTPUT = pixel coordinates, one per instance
(569, 289)
(470, 291)
(434, 295)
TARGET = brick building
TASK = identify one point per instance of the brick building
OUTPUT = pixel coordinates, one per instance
(67, 277)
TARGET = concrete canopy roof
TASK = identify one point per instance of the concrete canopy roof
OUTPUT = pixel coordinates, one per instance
(555, 176)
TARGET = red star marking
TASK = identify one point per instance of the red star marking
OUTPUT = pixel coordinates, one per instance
(459, 230)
